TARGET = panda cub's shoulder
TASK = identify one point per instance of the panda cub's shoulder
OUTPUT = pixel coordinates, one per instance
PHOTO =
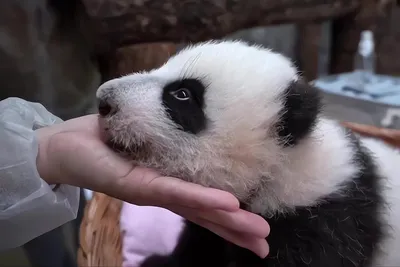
(387, 161)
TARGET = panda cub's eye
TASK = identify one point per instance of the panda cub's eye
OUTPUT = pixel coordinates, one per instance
(182, 94)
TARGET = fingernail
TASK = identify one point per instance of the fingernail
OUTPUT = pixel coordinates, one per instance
(266, 230)
(262, 248)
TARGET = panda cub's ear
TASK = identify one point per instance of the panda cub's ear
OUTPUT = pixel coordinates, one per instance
(302, 104)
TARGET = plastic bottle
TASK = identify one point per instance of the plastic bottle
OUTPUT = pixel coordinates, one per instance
(364, 62)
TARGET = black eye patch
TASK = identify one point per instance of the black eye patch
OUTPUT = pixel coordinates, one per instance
(184, 102)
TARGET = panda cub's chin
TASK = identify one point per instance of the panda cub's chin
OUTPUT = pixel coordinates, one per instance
(133, 151)
(122, 149)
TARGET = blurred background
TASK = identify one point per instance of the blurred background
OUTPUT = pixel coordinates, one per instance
(58, 52)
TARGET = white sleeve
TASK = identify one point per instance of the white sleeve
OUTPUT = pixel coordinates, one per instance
(28, 205)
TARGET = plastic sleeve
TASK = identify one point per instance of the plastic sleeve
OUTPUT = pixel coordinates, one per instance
(28, 205)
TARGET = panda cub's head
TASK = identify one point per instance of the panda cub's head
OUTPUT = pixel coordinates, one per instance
(220, 114)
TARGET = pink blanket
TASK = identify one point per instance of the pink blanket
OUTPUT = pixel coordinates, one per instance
(146, 231)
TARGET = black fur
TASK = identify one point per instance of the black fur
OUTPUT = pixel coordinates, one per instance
(343, 230)
(299, 114)
(188, 115)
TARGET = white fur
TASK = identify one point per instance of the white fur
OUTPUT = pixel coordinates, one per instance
(314, 168)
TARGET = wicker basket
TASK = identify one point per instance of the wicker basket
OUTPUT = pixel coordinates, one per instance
(100, 237)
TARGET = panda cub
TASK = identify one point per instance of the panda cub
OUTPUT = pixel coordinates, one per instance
(236, 117)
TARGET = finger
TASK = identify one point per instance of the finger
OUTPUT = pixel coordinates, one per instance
(239, 221)
(163, 191)
(258, 245)
(88, 124)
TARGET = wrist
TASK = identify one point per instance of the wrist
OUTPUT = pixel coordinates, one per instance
(43, 159)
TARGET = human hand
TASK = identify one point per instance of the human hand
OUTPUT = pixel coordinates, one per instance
(73, 153)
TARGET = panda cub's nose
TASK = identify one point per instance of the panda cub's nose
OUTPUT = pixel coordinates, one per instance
(106, 108)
